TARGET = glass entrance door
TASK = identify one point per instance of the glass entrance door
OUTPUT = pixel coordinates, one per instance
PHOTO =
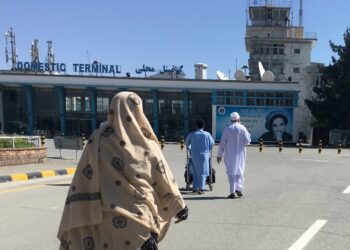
(77, 127)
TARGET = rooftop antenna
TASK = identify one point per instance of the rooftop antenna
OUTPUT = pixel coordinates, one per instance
(34, 51)
(9, 35)
(239, 75)
(50, 57)
(265, 75)
(221, 76)
(301, 13)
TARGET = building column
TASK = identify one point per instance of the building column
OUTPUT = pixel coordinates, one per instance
(186, 112)
(2, 125)
(245, 97)
(214, 95)
(29, 96)
(92, 96)
(155, 111)
(61, 108)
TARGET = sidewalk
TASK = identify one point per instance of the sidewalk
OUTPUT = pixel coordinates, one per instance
(53, 165)
(50, 167)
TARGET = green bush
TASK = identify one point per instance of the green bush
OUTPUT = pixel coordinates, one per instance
(19, 143)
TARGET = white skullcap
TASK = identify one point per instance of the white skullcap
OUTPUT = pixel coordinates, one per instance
(234, 116)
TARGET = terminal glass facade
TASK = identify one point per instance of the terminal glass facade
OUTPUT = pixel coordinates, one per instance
(79, 111)
(103, 100)
(171, 112)
(46, 114)
(15, 110)
(200, 108)
(258, 98)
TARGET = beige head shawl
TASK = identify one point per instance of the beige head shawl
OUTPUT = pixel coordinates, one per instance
(122, 165)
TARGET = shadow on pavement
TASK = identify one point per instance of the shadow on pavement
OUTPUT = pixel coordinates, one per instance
(205, 198)
(58, 185)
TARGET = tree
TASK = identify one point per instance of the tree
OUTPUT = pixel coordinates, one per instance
(331, 103)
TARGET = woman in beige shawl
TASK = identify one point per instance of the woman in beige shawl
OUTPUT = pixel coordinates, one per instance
(123, 194)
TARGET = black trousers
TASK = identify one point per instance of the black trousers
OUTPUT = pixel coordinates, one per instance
(151, 243)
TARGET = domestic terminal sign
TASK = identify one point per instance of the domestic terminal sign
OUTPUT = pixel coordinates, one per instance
(61, 67)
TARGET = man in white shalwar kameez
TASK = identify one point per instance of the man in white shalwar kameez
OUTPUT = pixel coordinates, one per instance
(232, 145)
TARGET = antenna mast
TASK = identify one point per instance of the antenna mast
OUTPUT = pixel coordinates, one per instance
(34, 51)
(9, 35)
(301, 13)
(50, 58)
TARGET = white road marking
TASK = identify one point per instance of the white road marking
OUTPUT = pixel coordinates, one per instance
(308, 235)
(310, 160)
(347, 190)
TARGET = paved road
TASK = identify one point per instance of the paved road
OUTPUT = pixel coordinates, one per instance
(286, 195)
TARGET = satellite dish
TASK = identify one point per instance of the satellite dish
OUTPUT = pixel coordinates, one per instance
(239, 75)
(261, 69)
(221, 75)
(268, 76)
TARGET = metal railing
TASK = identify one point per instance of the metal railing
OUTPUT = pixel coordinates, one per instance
(268, 3)
(29, 139)
(310, 35)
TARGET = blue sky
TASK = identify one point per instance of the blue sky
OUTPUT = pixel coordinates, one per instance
(131, 33)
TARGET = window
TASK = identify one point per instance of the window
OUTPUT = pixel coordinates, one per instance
(148, 107)
(278, 48)
(296, 51)
(73, 103)
(102, 104)
(296, 70)
(177, 107)
(230, 97)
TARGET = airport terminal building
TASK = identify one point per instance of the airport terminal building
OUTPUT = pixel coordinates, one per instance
(76, 105)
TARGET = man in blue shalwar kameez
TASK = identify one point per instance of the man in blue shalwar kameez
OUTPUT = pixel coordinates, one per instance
(200, 143)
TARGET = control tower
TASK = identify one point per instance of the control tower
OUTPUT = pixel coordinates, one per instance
(284, 49)
(272, 39)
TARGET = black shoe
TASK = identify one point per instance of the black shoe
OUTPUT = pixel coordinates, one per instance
(239, 193)
(231, 196)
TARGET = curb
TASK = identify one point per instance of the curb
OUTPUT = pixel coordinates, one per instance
(35, 175)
